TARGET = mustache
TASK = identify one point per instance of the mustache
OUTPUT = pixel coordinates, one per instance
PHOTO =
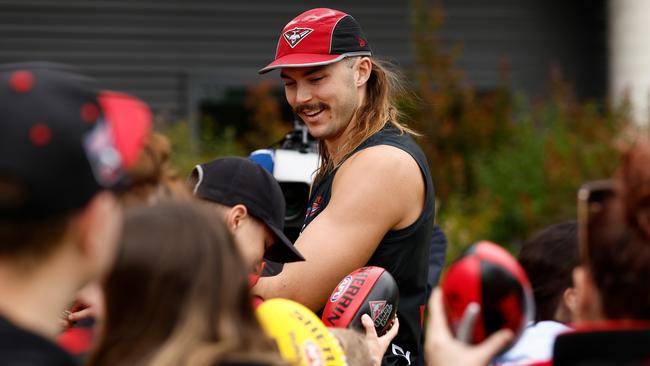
(309, 106)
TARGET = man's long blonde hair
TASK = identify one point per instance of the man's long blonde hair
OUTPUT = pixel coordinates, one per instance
(378, 109)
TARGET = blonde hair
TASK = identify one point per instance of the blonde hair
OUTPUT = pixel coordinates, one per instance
(378, 109)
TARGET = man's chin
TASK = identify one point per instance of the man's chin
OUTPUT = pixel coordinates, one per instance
(319, 134)
(315, 131)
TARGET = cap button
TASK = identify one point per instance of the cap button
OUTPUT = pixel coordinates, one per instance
(89, 112)
(21, 81)
(40, 134)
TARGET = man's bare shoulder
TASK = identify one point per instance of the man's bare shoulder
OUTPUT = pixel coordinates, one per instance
(388, 161)
(389, 173)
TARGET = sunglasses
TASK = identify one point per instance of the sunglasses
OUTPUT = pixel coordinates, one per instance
(594, 202)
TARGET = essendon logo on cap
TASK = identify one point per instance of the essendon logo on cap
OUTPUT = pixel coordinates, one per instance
(104, 159)
(295, 35)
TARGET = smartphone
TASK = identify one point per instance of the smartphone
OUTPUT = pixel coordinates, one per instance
(595, 201)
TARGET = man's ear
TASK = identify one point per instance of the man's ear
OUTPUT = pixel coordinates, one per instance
(570, 300)
(587, 298)
(235, 216)
(568, 308)
(363, 70)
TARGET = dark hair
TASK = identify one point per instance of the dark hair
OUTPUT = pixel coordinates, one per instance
(549, 258)
(178, 293)
(619, 241)
(28, 239)
(31, 239)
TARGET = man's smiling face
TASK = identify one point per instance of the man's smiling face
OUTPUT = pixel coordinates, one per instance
(324, 97)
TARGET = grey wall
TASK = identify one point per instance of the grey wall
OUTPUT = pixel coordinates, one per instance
(165, 50)
(171, 51)
(532, 36)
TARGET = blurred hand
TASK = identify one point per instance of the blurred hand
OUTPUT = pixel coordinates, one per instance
(442, 349)
(90, 304)
(64, 321)
(377, 346)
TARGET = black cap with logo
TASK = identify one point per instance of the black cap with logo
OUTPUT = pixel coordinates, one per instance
(62, 139)
(234, 180)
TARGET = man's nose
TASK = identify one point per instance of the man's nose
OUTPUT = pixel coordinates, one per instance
(303, 94)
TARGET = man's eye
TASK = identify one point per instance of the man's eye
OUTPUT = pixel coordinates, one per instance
(317, 79)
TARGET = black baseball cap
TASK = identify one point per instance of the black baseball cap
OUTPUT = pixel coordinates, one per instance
(235, 180)
(318, 37)
(63, 139)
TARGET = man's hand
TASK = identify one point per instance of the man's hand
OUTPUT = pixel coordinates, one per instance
(90, 304)
(442, 349)
(377, 346)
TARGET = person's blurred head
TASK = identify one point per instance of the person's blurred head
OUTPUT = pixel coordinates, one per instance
(152, 178)
(149, 180)
(251, 202)
(178, 293)
(63, 145)
(549, 258)
(612, 283)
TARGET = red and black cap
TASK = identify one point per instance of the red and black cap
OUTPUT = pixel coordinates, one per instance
(234, 180)
(319, 37)
(62, 139)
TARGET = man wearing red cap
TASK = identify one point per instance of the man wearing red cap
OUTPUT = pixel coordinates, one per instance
(372, 199)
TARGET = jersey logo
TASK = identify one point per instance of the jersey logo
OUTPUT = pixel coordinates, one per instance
(398, 351)
(312, 211)
(315, 207)
(295, 35)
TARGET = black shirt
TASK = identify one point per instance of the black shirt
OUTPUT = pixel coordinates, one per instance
(404, 253)
(20, 347)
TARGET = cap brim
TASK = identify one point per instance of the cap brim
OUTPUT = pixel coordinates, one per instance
(129, 119)
(308, 60)
(283, 250)
(272, 268)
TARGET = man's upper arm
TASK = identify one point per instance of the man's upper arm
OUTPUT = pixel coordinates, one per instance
(371, 194)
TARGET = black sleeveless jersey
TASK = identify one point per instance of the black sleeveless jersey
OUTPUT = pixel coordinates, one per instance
(404, 253)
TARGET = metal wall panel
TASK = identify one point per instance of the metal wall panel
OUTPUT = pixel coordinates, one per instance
(531, 37)
(155, 48)
(160, 49)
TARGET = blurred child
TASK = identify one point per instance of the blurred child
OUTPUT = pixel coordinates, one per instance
(251, 203)
(178, 294)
